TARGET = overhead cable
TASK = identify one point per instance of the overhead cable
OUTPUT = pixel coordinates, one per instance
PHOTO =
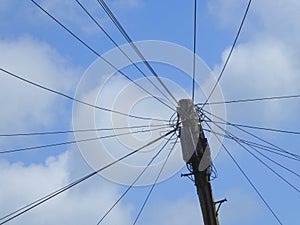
(229, 54)
(38, 133)
(135, 180)
(46, 198)
(135, 48)
(249, 180)
(74, 99)
(247, 100)
(96, 53)
(73, 142)
(155, 182)
(122, 51)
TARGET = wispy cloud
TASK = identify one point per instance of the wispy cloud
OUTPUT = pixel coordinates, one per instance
(25, 107)
(84, 204)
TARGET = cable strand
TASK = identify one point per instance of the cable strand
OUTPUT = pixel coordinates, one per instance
(153, 185)
(249, 180)
(95, 52)
(257, 137)
(252, 100)
(134, 47)
(74, 99)
(79, 130)
(134, 182)
(73, 142)
(40, 201)
(123, 52)
(234, 138)
(230, 53)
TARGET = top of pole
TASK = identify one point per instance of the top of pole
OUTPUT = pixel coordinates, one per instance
(189, 132)
(192, 139)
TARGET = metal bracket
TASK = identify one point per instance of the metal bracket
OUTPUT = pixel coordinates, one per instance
(219, 203)
(186, 174)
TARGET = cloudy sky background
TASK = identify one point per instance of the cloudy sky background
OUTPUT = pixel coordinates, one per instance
(265, 63)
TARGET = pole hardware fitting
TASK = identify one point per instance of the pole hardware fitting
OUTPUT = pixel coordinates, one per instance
(186, 174)
(219, 203)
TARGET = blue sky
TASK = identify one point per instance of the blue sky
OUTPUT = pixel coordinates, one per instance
(265, 63)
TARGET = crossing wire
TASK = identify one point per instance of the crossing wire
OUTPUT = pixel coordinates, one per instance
(230, 53)
(259, 138)
(122, 51)
(248, 180)
(155, 182)
(234, 138)
(134, 47)
(73, 142)
(96, 53)
(260, 128)
(134, 182)
(207, 100)
(80, 130)
(44, 199)
(255, 149)
(265, 156)
(76, 100)
(256, 145)
(252, 100)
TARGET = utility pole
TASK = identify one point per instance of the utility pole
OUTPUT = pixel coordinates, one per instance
(196, 154)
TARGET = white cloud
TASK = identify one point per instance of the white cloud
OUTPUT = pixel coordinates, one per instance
(25, 107)
(279, 17)
(83, 204)
(266, 65)
(261, 68)
(227, 12)
(121, 95)
(67, 12)
(71, 13)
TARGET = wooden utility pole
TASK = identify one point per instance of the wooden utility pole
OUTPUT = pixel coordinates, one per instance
(196, 154)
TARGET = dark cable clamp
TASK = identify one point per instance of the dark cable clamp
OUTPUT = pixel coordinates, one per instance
(186, 174)
(219, 203)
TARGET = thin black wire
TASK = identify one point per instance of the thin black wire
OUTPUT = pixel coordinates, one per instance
(122, 51)
(40, 201)
(265, 156)
(259, 138)
(135, 48)
(234, 138)
(260, 128)
(230, 53)
(194, 56)
(80, 130)
(258, 146)
(95, 52)
(274, 149)
(278, 164)
(255, 149)
(248, 179)
(252, 100)
(73, 142)
(74, 99)
(155, 182)
(134, 182)
(271, 150)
